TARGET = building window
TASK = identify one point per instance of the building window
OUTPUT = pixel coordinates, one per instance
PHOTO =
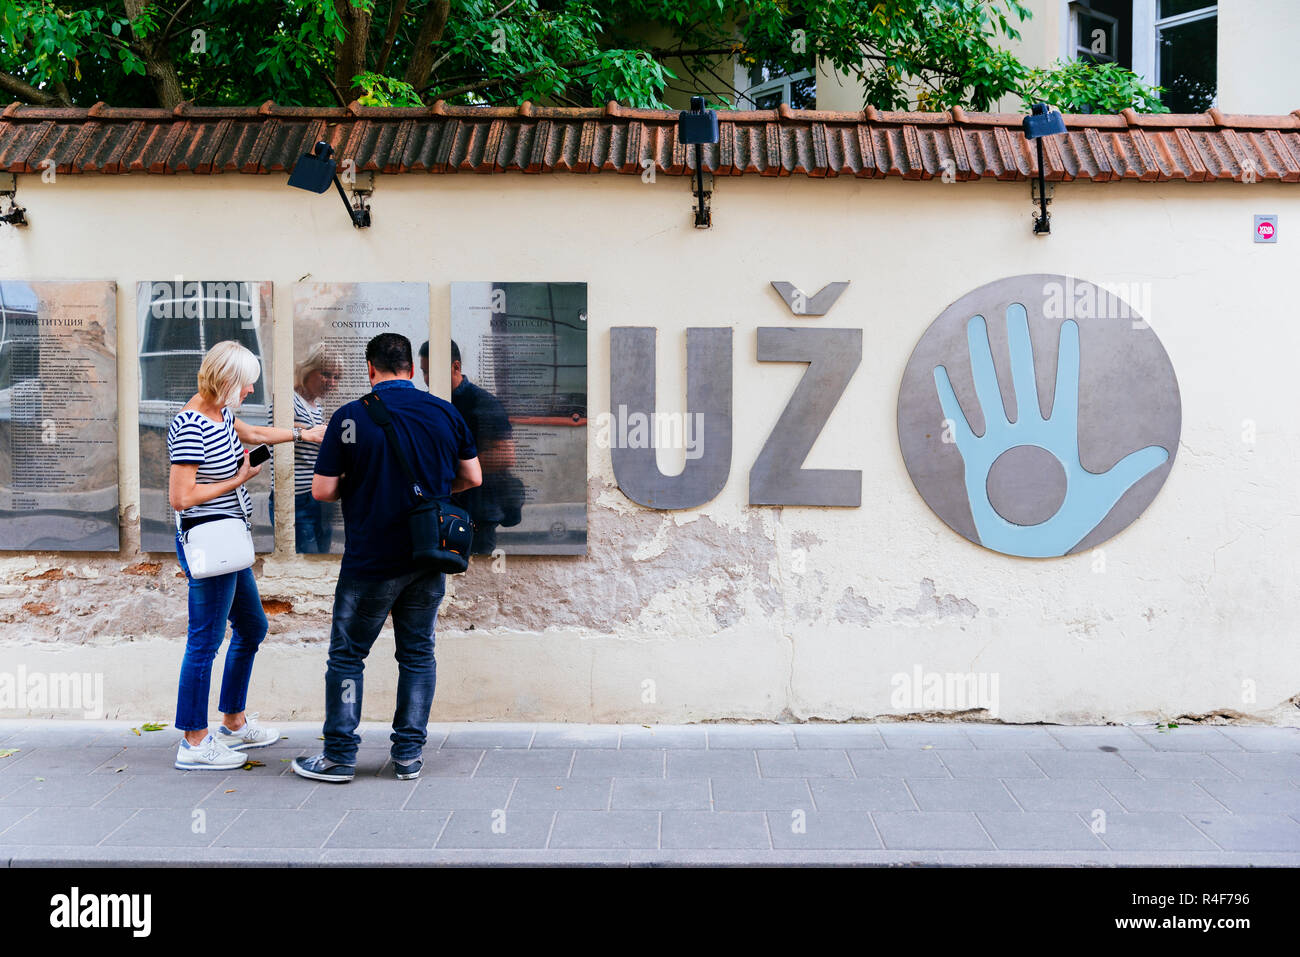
(1169, 43)
(769, 87)
(1187, 46)
(1102, 31)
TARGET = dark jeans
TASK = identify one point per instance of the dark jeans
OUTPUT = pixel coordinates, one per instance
(360, 609)
(213, 602)
(485, 538)
(312, 530)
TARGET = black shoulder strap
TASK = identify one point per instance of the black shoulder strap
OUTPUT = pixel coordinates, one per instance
(378, 413)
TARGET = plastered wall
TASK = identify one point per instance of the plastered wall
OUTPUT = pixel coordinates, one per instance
(728, 611)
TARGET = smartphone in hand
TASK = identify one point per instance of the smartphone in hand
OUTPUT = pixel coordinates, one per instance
(259, 455)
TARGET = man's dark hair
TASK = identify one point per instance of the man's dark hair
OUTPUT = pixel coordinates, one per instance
(390, 352)
(455, 351)
(424, 349)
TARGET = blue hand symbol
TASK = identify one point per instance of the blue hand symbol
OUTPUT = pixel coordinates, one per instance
(1088, 497)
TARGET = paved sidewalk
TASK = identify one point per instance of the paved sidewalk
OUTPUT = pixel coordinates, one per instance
(94, 792)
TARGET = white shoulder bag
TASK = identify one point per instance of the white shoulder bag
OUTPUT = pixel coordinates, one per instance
(218, 547)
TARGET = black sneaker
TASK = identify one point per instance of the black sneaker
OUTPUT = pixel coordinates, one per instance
(408, 772)
(320, 768)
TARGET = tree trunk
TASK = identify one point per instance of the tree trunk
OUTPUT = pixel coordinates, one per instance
(390, 35)
(352, 51)
(431, 27)
(158, 65)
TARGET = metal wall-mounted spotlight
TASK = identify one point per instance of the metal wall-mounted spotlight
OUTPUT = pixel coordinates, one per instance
(698, 125)
(1043, 121)
(15, 215)
(315, 171)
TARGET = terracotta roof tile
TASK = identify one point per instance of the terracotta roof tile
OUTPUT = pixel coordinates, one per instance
(618, 139)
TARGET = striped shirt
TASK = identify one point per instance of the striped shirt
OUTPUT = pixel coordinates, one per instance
(304, 453)
(194, 439)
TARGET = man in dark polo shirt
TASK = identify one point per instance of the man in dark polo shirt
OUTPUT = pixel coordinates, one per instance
(377, 575)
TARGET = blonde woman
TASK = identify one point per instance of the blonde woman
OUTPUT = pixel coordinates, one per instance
(209, 468)
(313, 379)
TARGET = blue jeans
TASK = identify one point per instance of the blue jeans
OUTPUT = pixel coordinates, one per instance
(213, 602)
(360, 609)
(312, 532)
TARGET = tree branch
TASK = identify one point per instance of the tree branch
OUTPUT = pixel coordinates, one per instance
(390, 35)
(431, 28)
(22, 90)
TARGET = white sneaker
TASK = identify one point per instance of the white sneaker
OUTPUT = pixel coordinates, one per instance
(251, 735)
(208, 755)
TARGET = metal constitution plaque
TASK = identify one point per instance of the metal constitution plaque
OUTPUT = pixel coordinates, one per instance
(519, 378)
(332, 322)
(179, 321)
(58, 426)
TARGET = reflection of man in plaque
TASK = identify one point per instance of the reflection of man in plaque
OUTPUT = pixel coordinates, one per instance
(313, 379)
(499, 499)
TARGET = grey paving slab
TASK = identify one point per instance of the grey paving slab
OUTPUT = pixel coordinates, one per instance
(265, 828)
(862, 794)
(580, 736)
(648, 794)
(172, 827)
(984, 763)
(663, 736)
(1082, 764)
(1250, 832)
(513, 763)
(1250, 766)
(919, 736)
(266, 791)
(453, 763)
(715, 830)
(750, 737)
(840, 736)
(710, 764)
(1163, 795)
(52, 760)
(159, 791)
(388, 829)
(897, 764)
(973, 794)
(1255, 797)
(1264, 739)
(921, 830)
(362, 793)
(823, 830)
(165, 740)
(1039, 830)
(1000, 737)
(570, 794)
(1096, 738)
(743, 794)
(449, 794)
(1187, 738)
(605, 829)
(10, 816)
(1180, 766)
(61, 790)
(488, 737)
(497, 829)
(1053, 794)
(66, 825)
(1153, 831)
(608, 763)
(820, 763)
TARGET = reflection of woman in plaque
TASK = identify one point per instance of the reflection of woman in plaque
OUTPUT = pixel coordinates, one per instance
(209, 467)
(313, 379)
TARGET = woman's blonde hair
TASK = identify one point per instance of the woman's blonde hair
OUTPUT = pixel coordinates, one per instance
(318, 360)
(226, 370)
